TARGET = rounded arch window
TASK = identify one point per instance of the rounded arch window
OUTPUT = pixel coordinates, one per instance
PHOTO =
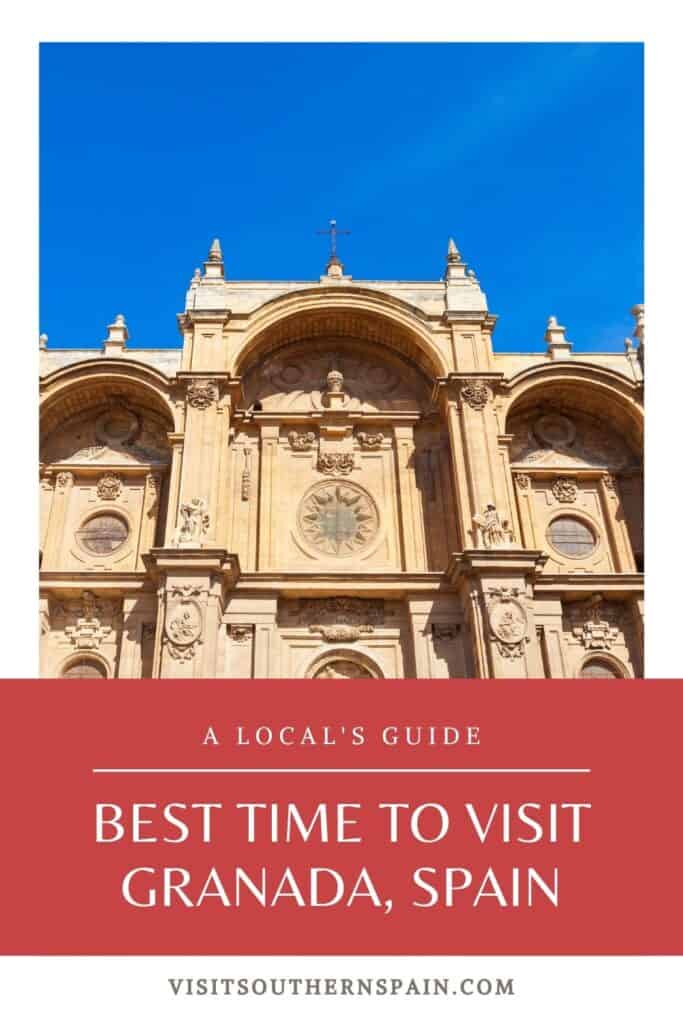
(103, 534)
(84, 668)
(572, 537)
(343, 664)
(599, 668)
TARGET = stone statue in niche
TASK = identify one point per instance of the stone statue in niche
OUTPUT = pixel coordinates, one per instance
(194, 523)
(491, 530)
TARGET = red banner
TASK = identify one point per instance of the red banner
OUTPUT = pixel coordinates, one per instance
(527, 817)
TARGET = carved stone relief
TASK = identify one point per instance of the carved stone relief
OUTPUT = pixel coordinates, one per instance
(565, 490)
(597, 624)
(202, 393)
(109, 487)
(117, 435)
(554, 439)
(476, 394)
(341, 619)
(338, 519)
(301, 442)
(336, 463)
(492, 531)
(194, 523)
(508, 621)
(183, 622)
(86, 621)
(371, 442)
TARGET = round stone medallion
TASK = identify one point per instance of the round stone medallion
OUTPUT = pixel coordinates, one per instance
(338, 519)
(555, 430)
(508, 621)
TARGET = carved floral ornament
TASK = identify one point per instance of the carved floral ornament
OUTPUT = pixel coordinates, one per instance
(336, 463)
(202, 393)
(523, 481)
(301, 442)
(109, 487)
(91, 620)
(508, 621)
(565, 490)
(64, 480)
(475, 393)
(371, 442)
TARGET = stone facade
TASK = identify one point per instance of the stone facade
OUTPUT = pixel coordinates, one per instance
(341, 478)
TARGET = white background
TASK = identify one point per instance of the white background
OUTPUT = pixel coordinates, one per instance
(134, 989)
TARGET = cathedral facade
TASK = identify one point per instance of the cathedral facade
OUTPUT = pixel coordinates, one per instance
(341, 478)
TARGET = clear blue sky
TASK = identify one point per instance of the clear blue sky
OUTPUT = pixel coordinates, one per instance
(530, 155)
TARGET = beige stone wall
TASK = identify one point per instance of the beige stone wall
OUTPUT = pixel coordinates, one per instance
(340, 479)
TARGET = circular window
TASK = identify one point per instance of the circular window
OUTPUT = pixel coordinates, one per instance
(84, 669)
(571, 537)
(102, 534)
(596, 668)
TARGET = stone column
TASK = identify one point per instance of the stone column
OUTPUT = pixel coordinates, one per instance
(497, 589)
(177, 442)
(478, 468)
(47, 489)
(130, 650)
(192, 585)
(411, 518)
(617, 530)
(150, 514)
(267, 520)
(54, 541)
(207, 421)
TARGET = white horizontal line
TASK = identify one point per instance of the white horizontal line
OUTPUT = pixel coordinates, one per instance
(341, 771)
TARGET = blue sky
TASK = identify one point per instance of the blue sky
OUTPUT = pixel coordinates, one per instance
(530, 155)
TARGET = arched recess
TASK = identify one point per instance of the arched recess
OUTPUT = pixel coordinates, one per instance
(85, 666)
(343, 663)
(575, 434)
(360, 314)
(104, 428)
(602, 665)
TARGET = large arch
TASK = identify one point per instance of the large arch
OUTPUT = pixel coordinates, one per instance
(594, 390)
(345, 312)
(85, 385)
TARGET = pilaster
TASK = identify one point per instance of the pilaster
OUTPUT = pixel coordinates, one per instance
(59, 509)
(498, 589)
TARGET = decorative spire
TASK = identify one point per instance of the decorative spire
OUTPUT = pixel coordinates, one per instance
(215, 252)
(638, 312)
(42, 342)
(555, 337)
(213, 267)
(117, 336)
(453, 254)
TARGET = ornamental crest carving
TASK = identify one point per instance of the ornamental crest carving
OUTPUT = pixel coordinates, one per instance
(508, 621)
(301, 442)
(336, 463)
(371, 442)
(338, 519)
(523, 481)
(341, 619)
(109, 487)
(597, 626)
(565, 490)
(194, 523)
(183, 628)
(94, 620)
(202, 393)
(476, 394)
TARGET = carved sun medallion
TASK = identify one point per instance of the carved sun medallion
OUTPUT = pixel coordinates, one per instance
(339, 519)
